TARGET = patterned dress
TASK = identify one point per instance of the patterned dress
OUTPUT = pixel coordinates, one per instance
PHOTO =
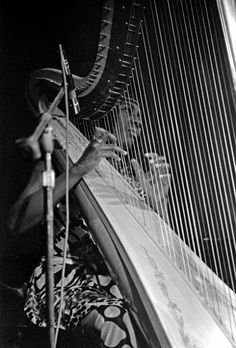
(91, 298)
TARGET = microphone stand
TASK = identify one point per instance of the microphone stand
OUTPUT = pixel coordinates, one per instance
(48, 186)
(47, 144)
(44, 133)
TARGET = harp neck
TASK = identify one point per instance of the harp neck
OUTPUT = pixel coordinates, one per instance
(99, 91)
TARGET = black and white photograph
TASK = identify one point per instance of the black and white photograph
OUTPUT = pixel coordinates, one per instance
(118, 174)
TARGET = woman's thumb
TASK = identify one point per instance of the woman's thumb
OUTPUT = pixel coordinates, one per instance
(139, 173)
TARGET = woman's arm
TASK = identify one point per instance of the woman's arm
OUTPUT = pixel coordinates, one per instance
(28, 210)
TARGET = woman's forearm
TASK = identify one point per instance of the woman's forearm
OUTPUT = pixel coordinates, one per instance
(28, 211)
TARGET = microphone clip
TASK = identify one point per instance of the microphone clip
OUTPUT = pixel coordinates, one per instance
(71, 86)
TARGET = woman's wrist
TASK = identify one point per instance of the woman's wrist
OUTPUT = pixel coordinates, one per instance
(77, 171)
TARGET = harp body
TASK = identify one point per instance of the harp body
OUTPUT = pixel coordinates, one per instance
(176, 298)
(173, 315)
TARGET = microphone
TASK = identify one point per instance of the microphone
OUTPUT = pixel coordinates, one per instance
(71, 87)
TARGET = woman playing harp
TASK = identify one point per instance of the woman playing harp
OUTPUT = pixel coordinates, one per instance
(92, 302)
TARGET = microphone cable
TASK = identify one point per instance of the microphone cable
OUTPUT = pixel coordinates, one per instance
(66, 197)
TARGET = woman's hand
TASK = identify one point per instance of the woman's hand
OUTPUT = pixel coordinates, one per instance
(102, 145)
(156, 182)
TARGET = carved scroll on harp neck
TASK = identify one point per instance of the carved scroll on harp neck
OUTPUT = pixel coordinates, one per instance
(99, 91)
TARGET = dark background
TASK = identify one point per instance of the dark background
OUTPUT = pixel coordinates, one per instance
(30, 35)
(29, 39)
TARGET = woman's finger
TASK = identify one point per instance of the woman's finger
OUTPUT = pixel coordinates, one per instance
(165, 180)
(99, 131)
(154, 156)
(102, 136)
(138, 171)
(162, 168)
(111, 147)
(110, 154)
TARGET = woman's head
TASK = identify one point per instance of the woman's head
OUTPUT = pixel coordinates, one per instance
(128, 123)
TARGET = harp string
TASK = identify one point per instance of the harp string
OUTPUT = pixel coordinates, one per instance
(197, 149)
(149, 139)
(109, 123)
(223, 145)
(193, 235)
(211, 155)
(181, 104)
(169, 108)
(178, 79)
(226, 144)
(229, 160)
(156, 97)
(166, 106)
(227, 12)
(203, 172)
(217, 134)
(193, 220)
(215, 158)
(137, 89)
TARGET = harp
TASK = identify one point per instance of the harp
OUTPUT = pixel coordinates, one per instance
(179, 277)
